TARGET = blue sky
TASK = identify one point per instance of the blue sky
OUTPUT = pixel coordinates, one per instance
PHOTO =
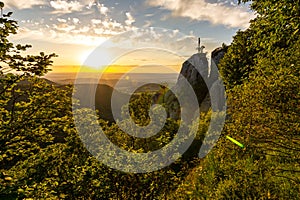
(72, 29)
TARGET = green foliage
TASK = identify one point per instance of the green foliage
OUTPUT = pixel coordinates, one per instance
(239, 60)
(42, 157)
(32, 119)
(11, 58)
(139, 107)
(275, 27)
(67, 171)
(262, 73)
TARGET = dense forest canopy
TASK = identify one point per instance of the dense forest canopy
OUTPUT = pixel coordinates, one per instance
(42, 157)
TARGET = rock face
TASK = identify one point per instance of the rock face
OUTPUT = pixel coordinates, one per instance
(216, 55)
(196, 71)
(216, 88)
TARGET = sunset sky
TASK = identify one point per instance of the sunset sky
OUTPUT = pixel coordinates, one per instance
(73, 29)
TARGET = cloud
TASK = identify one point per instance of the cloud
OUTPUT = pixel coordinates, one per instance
(23, 4)
(103, 10)
(63, 34)
(130, 20)
(66, 6)
(147, 24)
(61, 20)
(164, 39)
(64, 27)
(71, 21)
(222, 13)
(72, 30)
(149, 15)
(108, 27)
(96, 21)
(75, 20)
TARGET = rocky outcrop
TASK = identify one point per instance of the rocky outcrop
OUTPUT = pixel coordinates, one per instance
(196, 71)
(216, 56)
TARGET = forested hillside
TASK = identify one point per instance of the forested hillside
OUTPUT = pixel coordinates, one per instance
(261, 70)
(42, 156)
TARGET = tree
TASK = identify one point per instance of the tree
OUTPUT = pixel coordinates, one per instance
(10, 54)
(275, 27)
(22, 96)
(41, 155)
(261, 72)
(31, 119)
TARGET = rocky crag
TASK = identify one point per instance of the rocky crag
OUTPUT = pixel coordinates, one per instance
(196, 71)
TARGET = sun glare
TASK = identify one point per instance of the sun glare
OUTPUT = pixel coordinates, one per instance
(97, 59)
(83, 56)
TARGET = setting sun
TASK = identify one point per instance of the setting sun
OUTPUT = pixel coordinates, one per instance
(83, 56)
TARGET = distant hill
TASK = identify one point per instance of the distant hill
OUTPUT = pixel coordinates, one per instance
(23, 85)
(103, 101)
(103, 98)
(103, 95)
